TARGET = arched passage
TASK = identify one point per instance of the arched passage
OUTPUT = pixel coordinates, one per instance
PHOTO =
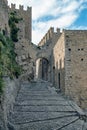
(42, 68)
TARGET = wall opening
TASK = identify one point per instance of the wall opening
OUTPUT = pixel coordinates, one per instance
(42, 68)
(59, 80)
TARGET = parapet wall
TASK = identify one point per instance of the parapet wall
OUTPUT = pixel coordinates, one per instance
(21, 8)
(48, 36)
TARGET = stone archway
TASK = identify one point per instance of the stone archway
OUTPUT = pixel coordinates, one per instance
(42, 65)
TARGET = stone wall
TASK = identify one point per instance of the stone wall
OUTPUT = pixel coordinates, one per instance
(76, 66)
(25, 30)
(4, 28)
(47, 37)
(58, 65)
(26, 55)
(10, 92)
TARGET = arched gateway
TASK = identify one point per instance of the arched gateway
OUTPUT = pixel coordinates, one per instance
(42, 68)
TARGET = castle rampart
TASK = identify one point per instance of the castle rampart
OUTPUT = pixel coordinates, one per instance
(48, 36)
(13, 6)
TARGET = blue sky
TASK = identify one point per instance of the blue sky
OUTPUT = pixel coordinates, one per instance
(82, 19)
(64, 14)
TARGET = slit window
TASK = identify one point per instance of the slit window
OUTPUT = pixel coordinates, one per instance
(69, 49)
(82, 59)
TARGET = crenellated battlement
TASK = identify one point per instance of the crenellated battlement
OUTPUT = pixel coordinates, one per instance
(49, 35)
(13, 6)
(21, 8)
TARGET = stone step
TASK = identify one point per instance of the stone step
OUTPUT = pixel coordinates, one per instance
(41, 103)
(34, 88)
(56, 108)
(28, 117)
(36, 84)
(34, 92)
(67, 123)
(27, 98)
(37, 96)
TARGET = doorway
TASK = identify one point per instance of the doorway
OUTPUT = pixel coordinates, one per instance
(42, 68)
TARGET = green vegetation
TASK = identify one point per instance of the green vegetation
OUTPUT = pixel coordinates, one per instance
(8, 65)
(13, 21)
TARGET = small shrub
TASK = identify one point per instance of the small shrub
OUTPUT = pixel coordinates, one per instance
(8, 65)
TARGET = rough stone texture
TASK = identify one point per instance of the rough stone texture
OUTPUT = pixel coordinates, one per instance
(9, 93)
(59, 68)
(39, 107)
(75, 66)
(2, 122)
(71, 60)
(26, 55)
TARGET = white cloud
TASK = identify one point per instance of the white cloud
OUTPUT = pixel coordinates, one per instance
(42, 27)
(64, 13)
(17, 2)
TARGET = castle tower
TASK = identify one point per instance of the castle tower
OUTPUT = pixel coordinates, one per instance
(25, 24)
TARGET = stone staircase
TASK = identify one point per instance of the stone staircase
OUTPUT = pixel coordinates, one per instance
(39, 107)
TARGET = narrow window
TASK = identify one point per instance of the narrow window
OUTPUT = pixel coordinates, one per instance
(82, 49)
(59, 79)
(69, 49)
(82, 59)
